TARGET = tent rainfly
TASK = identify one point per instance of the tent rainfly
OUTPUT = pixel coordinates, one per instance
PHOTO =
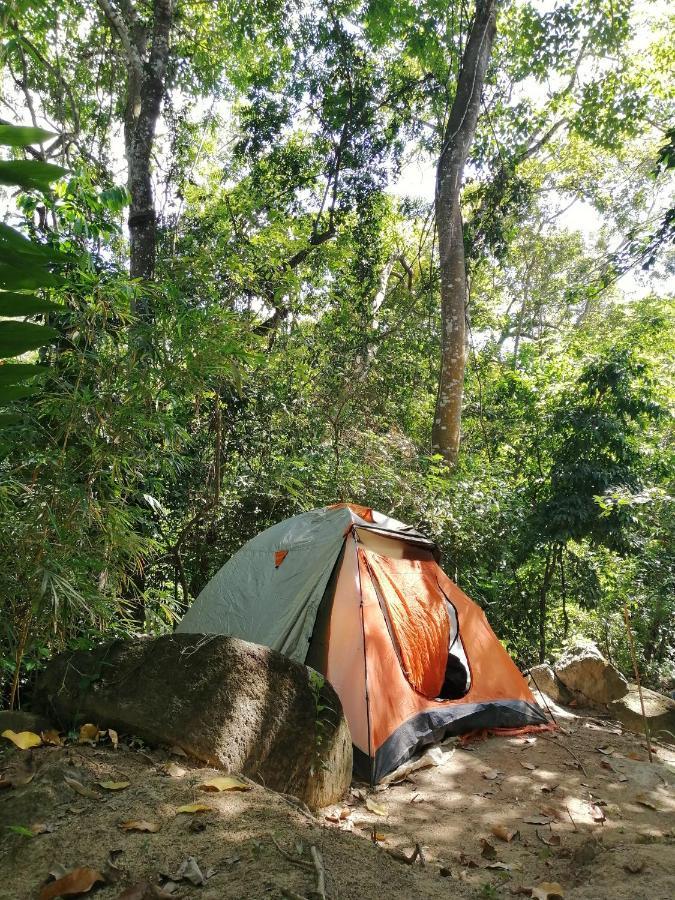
(360, 597)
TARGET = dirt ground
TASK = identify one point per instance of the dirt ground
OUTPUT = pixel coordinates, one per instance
(603, 824)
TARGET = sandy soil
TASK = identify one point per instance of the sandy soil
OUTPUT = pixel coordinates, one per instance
(606, 827)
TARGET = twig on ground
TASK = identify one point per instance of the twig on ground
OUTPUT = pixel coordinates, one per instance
(320, 891)
(574, 824)
(305, 864)
(408, 860)
(565, 747)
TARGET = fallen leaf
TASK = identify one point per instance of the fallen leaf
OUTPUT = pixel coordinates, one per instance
(189, 870)
(178, 751)
(538, 820)
(529, 766)
(111, 872)
(41, 828)
(24, 740)
(551, 840)
(51, 736)
(81, 789)
(193, 808)
(487, 850)
(597, 814)
(644, 800)
(21, 774)
(492, 774)
(498, 865)
(606, 750)
(636, 756)
(113, 785)
(375, 807)
(466, 861)
(504, 833)
(224, 783)
(549, 788)
(88, 734)
(173, 770)
(378, 836)
(139, 825)
(79, 881)
(114, 738)
(622, 777)
(547, 890)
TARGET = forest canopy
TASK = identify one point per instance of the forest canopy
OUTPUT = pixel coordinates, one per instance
(260, 257)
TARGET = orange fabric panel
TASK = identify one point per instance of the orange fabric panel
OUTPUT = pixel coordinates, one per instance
(494, 675)
(346, 664)
(279, 557)
(363, 512)
(417, 616)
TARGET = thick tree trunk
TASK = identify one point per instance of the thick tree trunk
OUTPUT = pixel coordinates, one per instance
(146, 57)
(457, 140)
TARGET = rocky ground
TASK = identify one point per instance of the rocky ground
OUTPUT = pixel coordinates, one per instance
(578, 813)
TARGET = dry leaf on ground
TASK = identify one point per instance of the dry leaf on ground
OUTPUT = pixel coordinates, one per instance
(113, 785)
(547, 890)
(527, 765)
(644, 800)
(51, 736)
(79, 881)
(597, 814)
(376, 807)
(173, 770)
(114, 738)
(190, 870)
(139, 825)
(88, 734)
(487, 850)
(81, 789)
(224, 783)
(24, 740)
(551, 840)
(538, 820)
(492, 774)
(504, 833)
(193, 808)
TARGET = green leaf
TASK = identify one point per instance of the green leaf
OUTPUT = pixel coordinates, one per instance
(20, 278)
(14, 373)
(16, 392)
(18, 337)
(26, 305)
(29, 174)
(23, 135)
(15, 246)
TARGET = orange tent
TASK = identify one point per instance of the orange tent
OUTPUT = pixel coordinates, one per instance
(361, 598)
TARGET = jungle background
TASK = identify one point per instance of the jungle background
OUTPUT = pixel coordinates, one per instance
(237, 286)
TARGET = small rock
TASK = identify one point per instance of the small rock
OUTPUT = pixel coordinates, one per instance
(659, 711)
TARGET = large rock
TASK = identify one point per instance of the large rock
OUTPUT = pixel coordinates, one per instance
(659, 711)
(584, 670)
(232, 704)
(542, 678)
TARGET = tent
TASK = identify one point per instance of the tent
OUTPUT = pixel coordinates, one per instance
(360, 597)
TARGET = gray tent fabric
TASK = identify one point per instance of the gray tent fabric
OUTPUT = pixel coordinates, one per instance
(252, 599)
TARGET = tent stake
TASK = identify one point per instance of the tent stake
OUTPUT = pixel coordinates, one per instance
(637, 678)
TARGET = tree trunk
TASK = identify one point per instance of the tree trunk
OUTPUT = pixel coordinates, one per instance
(457, 140)
(146, 86)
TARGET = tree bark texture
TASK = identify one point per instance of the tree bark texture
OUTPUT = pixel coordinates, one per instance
(457, 139)
(146, 51)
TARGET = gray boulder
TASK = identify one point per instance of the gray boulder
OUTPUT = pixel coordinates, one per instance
(19, 720)
(234, 705)
(584, 670)
(659, 711)
(542, 678)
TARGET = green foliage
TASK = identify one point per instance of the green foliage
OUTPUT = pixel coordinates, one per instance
(292, 356)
